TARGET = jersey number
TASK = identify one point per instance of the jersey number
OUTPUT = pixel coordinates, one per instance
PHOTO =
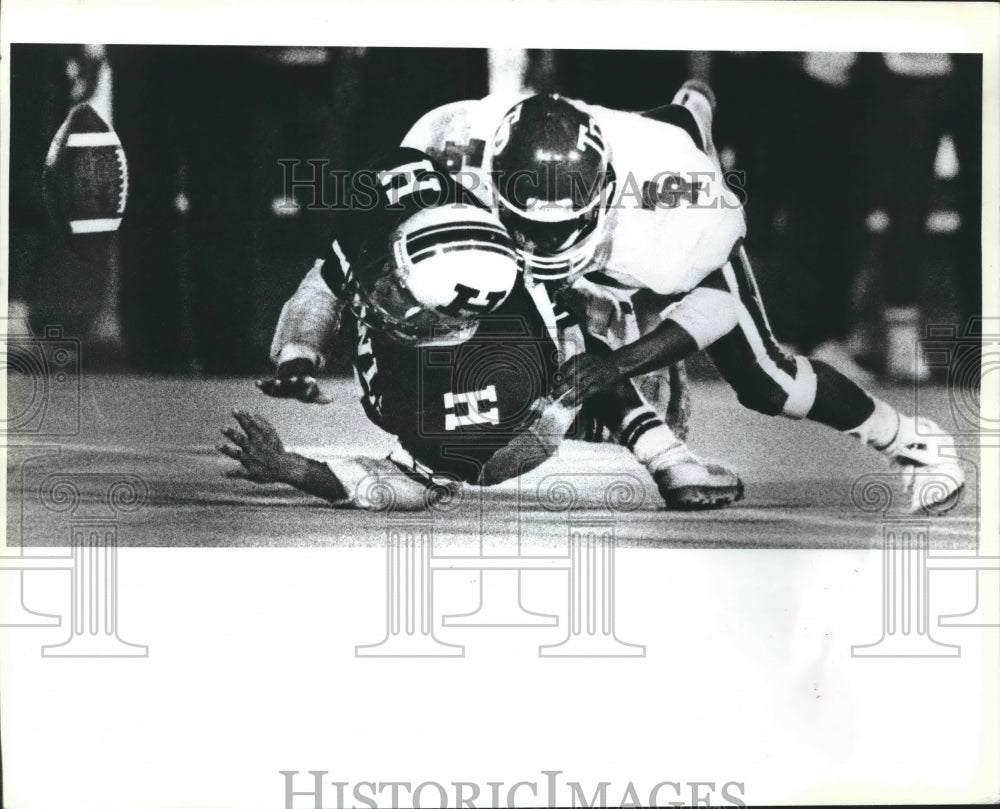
(460, 156)
(410, 178)
(669, 192)
(469, 409)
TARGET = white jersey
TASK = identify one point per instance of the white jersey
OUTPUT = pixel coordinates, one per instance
(672, 219)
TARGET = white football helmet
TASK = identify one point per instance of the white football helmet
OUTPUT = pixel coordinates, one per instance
(445, 268)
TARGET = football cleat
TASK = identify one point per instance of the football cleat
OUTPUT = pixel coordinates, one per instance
(925, 456)
(687, 483)
(698, 97)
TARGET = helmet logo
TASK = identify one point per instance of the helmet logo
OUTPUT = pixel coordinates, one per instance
(469, 300)
(590, 136)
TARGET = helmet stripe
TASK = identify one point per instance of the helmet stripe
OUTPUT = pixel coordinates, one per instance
(459, 236)
(468, 225)
(482, 247)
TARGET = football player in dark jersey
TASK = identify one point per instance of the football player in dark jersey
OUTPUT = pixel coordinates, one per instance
(451, 353)
(454, 354)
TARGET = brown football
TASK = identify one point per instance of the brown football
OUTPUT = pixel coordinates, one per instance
(86, 180)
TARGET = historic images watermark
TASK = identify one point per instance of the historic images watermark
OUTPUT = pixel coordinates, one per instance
(968, 359)
(45, 402)
(313, 186)
(85, 509)
(416, 611)
(314, 790)
(580, 512)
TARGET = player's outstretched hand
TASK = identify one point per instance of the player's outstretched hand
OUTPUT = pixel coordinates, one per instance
(258, 448)
(295, 380)
(583, 376)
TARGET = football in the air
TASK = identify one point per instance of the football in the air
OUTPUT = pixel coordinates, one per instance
(86, 181)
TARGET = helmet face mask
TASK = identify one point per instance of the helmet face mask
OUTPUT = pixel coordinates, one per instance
(553, 184)
(548, 239)
(390, 307)
(444, 269)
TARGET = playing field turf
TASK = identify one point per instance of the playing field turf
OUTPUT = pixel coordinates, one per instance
(798, 476)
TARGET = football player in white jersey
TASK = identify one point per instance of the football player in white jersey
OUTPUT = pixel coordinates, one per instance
(630, 213)
(462, 136)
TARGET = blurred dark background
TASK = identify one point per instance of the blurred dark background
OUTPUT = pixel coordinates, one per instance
(862, 179)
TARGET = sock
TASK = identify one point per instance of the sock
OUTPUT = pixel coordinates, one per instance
(880, 429)
(840, 403)
(846, 406)
(651, 441)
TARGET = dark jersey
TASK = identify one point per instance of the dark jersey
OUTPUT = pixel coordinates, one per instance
(378, 200)
(453, 406)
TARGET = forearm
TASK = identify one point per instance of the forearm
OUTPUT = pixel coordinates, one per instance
(312, 477)
(373, 484)
(666, 344)
(309, 320)
(698, 320)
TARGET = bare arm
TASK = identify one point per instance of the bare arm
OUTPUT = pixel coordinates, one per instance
(263, 459)
(703, 316)
(375, 484)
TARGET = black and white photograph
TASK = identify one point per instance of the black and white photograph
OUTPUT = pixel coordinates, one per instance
(397, 418)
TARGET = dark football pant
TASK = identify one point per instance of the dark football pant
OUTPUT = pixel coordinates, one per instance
(764, 375)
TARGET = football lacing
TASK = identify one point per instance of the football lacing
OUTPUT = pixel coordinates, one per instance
(122, 179)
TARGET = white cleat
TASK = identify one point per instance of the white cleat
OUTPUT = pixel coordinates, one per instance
(925, 455)
(700, 99)
(687, 483)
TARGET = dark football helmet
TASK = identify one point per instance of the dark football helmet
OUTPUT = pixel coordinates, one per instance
(553, 184)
